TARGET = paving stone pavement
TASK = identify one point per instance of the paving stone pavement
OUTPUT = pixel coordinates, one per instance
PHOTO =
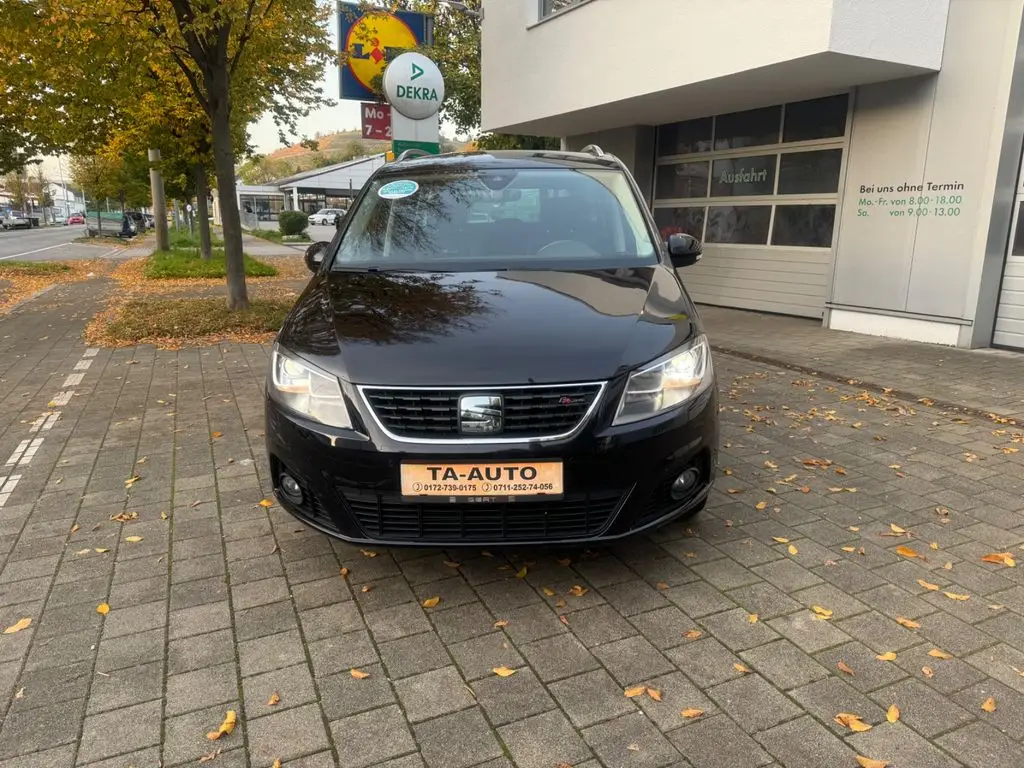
(217, 603)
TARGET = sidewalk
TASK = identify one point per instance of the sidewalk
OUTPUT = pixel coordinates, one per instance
(983, 380)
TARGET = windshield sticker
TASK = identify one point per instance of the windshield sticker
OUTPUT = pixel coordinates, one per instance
(396, 190)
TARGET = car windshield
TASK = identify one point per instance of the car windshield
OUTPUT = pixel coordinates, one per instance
(465, 218)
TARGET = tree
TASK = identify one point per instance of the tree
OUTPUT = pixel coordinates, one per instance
(97, 176)
(16, 184)
(83, 64)
(260, 169)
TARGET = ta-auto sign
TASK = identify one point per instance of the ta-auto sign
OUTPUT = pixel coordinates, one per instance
(414, 86)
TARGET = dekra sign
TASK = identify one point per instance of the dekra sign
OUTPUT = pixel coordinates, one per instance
(417, 92)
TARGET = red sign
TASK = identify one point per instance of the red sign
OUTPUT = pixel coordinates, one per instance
(376, 121)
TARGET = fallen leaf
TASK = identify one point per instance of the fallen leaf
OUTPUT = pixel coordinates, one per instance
(780, 539)
(20, 625)
(849, 549)
(842, 666)
(368, 553)
(103, 609)
(761, 506)
(867, 762)
(503, 671)
(225, 728)
(266, 503)
(366, 588)
(133, 539)
(805, 489)
(578, 591)
(928, 672)
(989, 704)
(948, 566)
(559, 603)
(734, 491)
(74, 527)
(770, 464)
(636, 690)
(825, 613)
(792, 550)
(521, 573)
(908, 623)
(662, 585)
(548, 591)
(654, 693)
(743, 669)
(1000, 558)
(215, 435)
(906, 551)
(853, 722)
(164, 516)
(101, 550)
(692, 634)
(21, 693)
(85, 551)
(358, 674)
(854, 528)
(563, 620)
(691, 713)
(344, 572)
(431, 602)
(275, 698)
(936, 653)
(131, 481)
(124, 517)
(752, 618)
(887, 656)
(928, 585)
(996, 607)
(955, 596)
(896, 529)
(500, 623)
(892, 714)
(209, 756)
(564, 561)
(277, 763)
(451, 564)
(934, 545)
(633, 747)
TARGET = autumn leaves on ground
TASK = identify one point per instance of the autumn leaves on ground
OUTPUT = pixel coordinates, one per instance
(21, 280)
(173, 298)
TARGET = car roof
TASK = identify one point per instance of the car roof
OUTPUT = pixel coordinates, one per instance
(504, 158)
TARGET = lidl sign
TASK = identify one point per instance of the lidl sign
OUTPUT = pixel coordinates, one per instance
(369, 39)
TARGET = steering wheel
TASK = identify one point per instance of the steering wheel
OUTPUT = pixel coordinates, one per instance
(567, 249)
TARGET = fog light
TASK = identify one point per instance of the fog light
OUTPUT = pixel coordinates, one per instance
(290, 487)
(685, 483)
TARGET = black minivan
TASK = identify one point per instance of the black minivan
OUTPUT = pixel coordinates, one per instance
(495, 348)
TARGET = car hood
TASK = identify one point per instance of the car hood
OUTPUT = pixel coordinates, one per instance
(488, 328)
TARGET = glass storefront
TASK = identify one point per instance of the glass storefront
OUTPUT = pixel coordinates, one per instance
(265, 207)
(767, 176)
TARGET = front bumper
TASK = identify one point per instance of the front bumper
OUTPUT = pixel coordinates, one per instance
(617, 481)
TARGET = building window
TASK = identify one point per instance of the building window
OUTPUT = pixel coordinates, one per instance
(759, 189)
(733, 176)
(808, 173)
(683, 180)
(739, 224)
(548, 7)
(752, 128)
(689, 221)
(816, 119)
(686, 138)
(809, 226)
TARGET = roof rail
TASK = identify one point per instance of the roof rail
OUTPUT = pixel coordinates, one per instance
(594, 150)
(413, 152)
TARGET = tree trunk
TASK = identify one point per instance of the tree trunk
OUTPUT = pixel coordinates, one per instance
(202, 193)
(224, 167)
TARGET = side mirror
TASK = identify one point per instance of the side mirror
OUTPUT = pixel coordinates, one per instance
(684, 250)
(315, 255)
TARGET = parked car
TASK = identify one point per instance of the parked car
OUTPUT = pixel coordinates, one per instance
(74, 218)
(326, 215)
(542, 377)
(15, 220)
(138, 219)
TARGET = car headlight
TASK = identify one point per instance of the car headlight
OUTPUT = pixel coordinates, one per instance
(666, 383)
(309, 391)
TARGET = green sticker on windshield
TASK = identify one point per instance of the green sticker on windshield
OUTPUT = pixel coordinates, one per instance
(396, 190)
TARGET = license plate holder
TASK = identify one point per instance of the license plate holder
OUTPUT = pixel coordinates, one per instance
(482, 481)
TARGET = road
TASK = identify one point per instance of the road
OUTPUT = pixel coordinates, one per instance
(47, 244)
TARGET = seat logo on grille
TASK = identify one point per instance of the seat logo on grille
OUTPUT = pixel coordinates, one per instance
(480, 414)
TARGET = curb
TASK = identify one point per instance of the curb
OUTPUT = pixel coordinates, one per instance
(27, 299)
(903, 394)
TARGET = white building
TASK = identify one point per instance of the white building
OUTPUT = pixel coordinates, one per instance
(853, 160)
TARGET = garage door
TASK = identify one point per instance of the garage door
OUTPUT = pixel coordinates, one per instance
(1009, 331)
(760, 188)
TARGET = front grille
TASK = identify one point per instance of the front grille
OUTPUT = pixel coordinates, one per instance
(530, 412)
(575, 516)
